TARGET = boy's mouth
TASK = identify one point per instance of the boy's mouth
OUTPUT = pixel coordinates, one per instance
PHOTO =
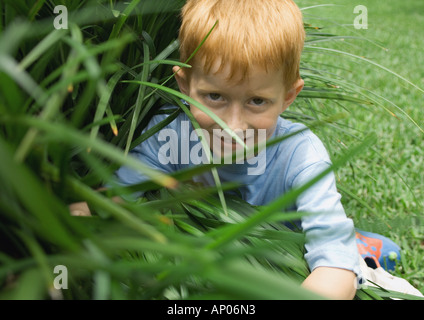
(225, 145)
(233, 141)
(229, 144)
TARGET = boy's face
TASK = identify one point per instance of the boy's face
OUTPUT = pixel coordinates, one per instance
(255, 102)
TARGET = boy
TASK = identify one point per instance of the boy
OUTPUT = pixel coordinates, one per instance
(247, 73)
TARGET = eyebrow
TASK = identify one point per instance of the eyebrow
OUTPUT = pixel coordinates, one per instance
(263, 94)
(209, 84)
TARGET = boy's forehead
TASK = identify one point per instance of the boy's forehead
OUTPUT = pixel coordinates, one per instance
(220, 71)
(211, 67)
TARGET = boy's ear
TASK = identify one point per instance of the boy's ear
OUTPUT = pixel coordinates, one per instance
(182, 80)
(293, 92)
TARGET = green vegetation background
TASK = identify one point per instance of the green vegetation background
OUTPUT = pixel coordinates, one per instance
(71, 106)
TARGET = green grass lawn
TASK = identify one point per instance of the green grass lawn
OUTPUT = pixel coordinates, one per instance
(383, 190)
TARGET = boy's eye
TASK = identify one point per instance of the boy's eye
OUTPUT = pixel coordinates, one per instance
(258, 101)
(214, 96)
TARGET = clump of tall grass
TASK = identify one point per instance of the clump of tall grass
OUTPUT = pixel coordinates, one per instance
(73, 102)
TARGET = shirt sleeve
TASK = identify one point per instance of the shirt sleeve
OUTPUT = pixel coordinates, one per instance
(330, 235)
(149, 153)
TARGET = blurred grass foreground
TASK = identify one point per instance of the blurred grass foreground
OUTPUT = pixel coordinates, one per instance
(70, 110)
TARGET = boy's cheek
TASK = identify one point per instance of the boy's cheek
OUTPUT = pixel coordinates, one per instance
(202, 118)
(270, 131)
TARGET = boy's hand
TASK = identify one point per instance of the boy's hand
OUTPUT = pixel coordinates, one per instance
(79, 209)
(332, 283)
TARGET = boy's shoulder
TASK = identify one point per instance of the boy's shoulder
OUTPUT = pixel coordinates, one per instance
(287, 127)
(301, 141)
(174, 114)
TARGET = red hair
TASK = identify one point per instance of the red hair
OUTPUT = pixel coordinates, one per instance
(265, 33)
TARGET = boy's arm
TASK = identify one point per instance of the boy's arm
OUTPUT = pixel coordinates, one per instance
(332, 283)
(330, 243)
(332, 254)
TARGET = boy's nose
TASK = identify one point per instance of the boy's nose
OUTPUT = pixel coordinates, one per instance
(235, 118)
